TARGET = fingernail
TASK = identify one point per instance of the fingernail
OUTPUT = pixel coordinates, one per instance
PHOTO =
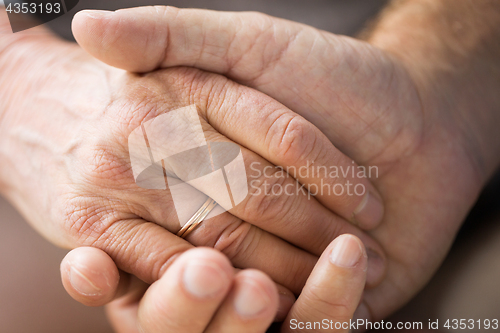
(83, 284)
(250, 300)
(204, 279)
(369, 211)
(96, 14)
(375, 268)
(346, 251)
(287, 299)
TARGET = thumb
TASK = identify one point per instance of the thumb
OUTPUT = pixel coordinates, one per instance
(334, 289)
(146, 38)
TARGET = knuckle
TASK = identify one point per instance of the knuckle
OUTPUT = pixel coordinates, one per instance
(208, 91)
(298, 272)
(139, 101)
(291, 139)
(126, 243)
(339, 309)
(261, 24)
(212, 92)
(142, 97)
(262, 19)
(86, 220)
(268, 197)
(237, 240)
(103, 166)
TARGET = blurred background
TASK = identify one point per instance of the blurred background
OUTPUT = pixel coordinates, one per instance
(32, 298)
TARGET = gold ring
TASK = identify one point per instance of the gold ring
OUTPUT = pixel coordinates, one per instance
(197, 218)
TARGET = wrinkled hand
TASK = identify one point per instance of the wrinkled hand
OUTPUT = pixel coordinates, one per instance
(371, 105)
(65, 165)
(200, 292)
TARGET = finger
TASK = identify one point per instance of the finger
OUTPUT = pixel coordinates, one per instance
(291, 71)
(131, 244)
(250, 306)
(126, 294)
(334, 289)
(250, 247)
(123, 317)
(274, 197)
(130, 241)
(286, 299)
(290, 141)
(281, 212)
(301, 221)
(146, 249)
(188, 295)
(91, 277)
(141, 248)
(122, 312)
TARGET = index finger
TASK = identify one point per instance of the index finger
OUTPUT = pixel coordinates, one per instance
(223, 104)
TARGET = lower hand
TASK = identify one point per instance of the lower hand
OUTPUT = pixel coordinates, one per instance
(200, 292)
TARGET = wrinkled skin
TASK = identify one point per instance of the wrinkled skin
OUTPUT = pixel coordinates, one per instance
(70, 174)
(376, 107)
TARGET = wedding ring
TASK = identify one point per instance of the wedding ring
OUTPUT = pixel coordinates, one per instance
(197, 218)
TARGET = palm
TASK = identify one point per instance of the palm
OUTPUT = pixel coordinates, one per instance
(425, 177)
(369, 106)
(427, 192)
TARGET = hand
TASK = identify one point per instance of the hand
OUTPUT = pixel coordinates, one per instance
(65, 165)
(200, 292)
(376, 107)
